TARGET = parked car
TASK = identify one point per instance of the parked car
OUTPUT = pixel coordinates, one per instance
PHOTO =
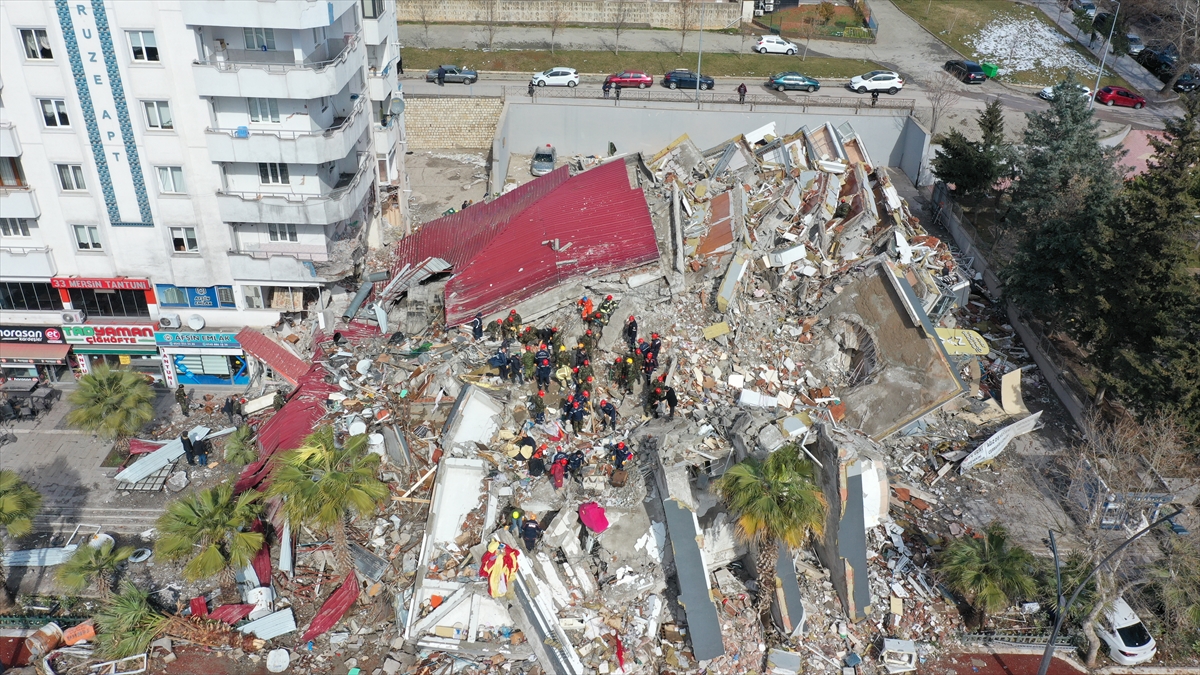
(1128, 640)
(792, 80)
(1048, 93)
(630, 78)
(454, 74)
(1160, 62)
(1135, 43)
(558, 76)
(877, 80)
(1119, 96)
(544, 160)
(1189, 81)
(774, 44)
(1083, 6)
(967, 71)
(682, 78)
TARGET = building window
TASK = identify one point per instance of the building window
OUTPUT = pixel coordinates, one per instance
(264, 109)
(225, 296)
(37, 45)
(87, 237)
(158, 115)
(14, 227)
(54, 112)
(183, 239)
(98, 302)
(271, 173)
(11, 173)
(281, 298)
(70, 176)
(170, 180)
(204, 297)
(281, 231)
(30, 297)
(260, 39)
(143, 45)
(373, 9)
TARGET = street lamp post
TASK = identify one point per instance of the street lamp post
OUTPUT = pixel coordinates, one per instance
(1104, 53)
(699, 55)
(1062, 609)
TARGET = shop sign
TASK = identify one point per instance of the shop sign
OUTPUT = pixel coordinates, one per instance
(101, 284)
(110, 335)
(51, 335)
(212, 340)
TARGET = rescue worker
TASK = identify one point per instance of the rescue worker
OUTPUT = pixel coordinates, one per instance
(514, 521)
(539, 407)
(278, 402)
(614, 370)
(585, 371)
(649, 365)
(477, 326)
(578, 411)
(530, 531)
(579, 355)
(511, 326)
(556, 338)
(495, 329)
(589, 340)
(575, 465)
(608, 415)
(619, 454)
(543, 374)
(629, 373)
(528, 337)
(558, 469)
(564, 376)
(516, 368)
(630, 332)
(843, 209)
(562, 357)
(606, 310)
(575, 378)
(655, 345)
(528, 362)
(639, 355)
(587, 386)
(652, 401)
(500, 361)
(585, 308)
(181, 398)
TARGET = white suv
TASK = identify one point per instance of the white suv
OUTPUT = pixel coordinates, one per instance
(774, 45)
(877, 80)
(558, 76)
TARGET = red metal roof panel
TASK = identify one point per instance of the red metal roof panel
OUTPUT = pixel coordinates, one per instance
(333, 608)
(281, 360)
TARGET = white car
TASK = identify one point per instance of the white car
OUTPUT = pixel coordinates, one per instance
(877, 80)
(773, 44)
(1135, 44)
(1048, 93)
(1128, 640)
(557, 76)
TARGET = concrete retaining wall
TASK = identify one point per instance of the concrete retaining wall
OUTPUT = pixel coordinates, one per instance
(598, 12)
(433, 123)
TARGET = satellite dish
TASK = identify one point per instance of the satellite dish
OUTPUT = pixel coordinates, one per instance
(195, 322)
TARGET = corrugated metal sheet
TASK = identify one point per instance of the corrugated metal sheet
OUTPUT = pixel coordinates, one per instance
(38, 557)
(704, 628)
(231, 614)
(496, 250)
(332, 609)
(156, 460)
(267, 350)
(272, 625)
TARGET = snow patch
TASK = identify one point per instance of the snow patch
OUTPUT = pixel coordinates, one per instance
(1017, 44)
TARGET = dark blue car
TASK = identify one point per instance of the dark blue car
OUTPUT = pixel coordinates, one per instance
(686, 79)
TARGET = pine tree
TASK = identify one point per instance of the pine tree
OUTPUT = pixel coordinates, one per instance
(991, 126)
(972, 167)
(1066, 184)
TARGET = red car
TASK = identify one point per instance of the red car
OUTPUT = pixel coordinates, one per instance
(1119, 96)
(630, 78)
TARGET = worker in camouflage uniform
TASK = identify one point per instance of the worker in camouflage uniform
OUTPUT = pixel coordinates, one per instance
(495, 329)
(528, 362)
(606, 310)
(562, 357)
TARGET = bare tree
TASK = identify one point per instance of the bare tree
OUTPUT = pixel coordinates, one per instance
(687, 18)
(620, 22)
(1180, 26)
(425, 9)
(557, 16)
(943, 95)
(491, 21)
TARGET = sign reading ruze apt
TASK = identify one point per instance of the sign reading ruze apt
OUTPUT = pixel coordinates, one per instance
(109, 335)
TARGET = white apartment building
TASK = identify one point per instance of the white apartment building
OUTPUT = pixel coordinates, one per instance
(187, 166)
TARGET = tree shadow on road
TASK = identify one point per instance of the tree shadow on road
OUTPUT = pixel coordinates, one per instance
(63, 494)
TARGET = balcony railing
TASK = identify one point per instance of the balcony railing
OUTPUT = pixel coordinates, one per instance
(340, 124)
(283, 61)
(259, 254)
(346, 183)
(24, 250)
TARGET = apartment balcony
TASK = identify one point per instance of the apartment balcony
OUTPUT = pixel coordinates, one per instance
(386, 136)
(276, 74)
(27, 261)
(10, 145)
(299, 263)
(379, 21)
(382, 83)
(340, 203)
(244, 144)
(290, 14)
(18, 202)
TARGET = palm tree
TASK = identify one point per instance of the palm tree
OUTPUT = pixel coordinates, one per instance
(19, 503)
(322, 483)
(127, 623)
(239, 447)
(210, 529)
(93, 565)
(1177, 579)
(776, 500)
(990, 571)
(115, 403)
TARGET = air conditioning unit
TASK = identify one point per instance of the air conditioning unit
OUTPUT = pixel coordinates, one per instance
(74, 317)
(169, 321)
(758, 12)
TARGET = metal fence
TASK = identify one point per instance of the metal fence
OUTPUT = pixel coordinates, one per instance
(803, 102)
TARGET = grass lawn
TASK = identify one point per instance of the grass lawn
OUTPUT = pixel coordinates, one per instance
(654, 63)
(957, 21)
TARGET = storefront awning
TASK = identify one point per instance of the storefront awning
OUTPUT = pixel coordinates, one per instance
(33, 353)
(114, 349)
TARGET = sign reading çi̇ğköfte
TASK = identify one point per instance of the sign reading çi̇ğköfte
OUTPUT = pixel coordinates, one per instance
(213, 340)
(31, 335)
(110, 334)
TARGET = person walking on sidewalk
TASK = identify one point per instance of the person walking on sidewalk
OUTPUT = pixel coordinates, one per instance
(874, 98)
(741, 90)
(531, 90)
(617, 91)
(181, 397)
(441, 76)
(607, 88)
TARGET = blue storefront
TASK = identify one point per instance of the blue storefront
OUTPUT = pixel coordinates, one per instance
(204, 358)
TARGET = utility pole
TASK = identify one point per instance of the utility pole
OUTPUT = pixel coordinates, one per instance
(699, 56)
(1062, 608)
(1104, 53)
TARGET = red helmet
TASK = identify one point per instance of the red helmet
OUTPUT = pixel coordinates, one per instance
(631, 317)
(585, 394)
(541, 393)
(608, 298)
(570, 397)
(603, 401)
(654, 336)
(589, 331)
(641, 340)
(587, 362)
(512, 311)
(589, 380)
(657, 390)
(575, 369)
(499, 320)
(621, 445)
